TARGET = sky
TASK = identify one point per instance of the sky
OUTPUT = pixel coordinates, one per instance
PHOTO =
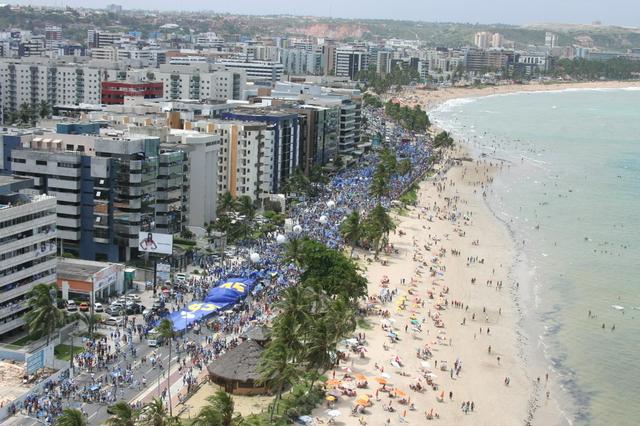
(609, 12)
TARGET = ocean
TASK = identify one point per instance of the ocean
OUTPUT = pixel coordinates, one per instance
(570, 197)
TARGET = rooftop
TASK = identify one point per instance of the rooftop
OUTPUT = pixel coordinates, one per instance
(79, 270)
(240, 363)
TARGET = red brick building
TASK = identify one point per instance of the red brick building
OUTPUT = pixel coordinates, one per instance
(114, 92)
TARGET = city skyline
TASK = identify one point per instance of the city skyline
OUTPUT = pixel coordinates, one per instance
(618, 12)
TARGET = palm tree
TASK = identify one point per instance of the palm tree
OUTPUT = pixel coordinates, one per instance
(246, 208)
(155, 414)
(351, 230)
(379, 182)
(166, 331)
(71, 417)
(208, 416)
(223, 404)
(226, 203)
(43, 315)
(277, 371)
(294, 250)
(89, 319)
(45, 109)
(123, 415)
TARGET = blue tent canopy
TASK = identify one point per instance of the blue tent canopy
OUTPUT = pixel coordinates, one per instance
(229, 292)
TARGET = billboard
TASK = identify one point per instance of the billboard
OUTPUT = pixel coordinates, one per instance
(35, 361)
(150, 242)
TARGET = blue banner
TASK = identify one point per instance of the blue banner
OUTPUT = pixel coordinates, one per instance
(226, 294)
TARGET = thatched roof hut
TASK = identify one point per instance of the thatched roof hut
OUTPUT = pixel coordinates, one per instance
(236, 370)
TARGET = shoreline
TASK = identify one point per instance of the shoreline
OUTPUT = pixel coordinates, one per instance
(484, 305)
(557, 409)
(433, 99)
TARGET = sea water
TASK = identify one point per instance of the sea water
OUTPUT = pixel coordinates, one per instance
(570, 196)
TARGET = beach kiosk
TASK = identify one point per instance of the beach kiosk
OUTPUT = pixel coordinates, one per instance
(236, 370)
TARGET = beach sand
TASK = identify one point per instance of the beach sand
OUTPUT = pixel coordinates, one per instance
(430, 99)
(482, 376)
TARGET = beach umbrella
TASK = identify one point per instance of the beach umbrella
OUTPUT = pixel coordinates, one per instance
(333, 382)
(254, 257)
(331, 204)
(425, 364)
(400, 393)
(297, 229)
(330, 398)
(323, 219)
(335, 393)
(385, 375)
(381, 380)
(362, 400)
(281, 239)
(361, 377)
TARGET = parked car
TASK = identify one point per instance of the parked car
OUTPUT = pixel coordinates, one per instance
(71, 306)
(115, 321)
(135, 308)
(133, 297)
(157, 304)
(181, 276)
(84, 307)
(97, 307)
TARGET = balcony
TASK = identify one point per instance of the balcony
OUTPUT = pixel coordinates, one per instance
(64, 184)
(30, 255)
(24, 289)
(68, 222)
(64, 209)
(32, 224)
(70, 197)
(23, 242)
(11, 325)
(9, 310)
(68, 235)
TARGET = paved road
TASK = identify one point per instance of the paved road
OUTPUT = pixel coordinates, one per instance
(155, 377)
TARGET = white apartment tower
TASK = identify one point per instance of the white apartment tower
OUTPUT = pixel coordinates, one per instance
(27, 247)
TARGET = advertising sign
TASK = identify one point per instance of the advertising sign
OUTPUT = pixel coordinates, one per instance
(151, 242)
(35, 362)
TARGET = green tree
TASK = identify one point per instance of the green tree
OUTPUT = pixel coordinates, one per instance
(155, 414)
(222, 402)
(166, 331)
(26, 113)
(277, 371)
(226, 203)
(71, 417)
(42, 314)
(443, 140)
(123, 415)
(352, 230)
(45, 109)
(90, 320)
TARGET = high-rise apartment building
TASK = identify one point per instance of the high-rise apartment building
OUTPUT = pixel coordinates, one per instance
(349, 61)
(27, 247)
(482, 39)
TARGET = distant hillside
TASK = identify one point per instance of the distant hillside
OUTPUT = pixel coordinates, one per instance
(75, 22)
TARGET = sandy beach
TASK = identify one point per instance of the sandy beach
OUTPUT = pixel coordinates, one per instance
(450, 278)
(430, 99)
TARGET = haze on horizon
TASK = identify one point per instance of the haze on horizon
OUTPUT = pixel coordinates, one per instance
(517, 12)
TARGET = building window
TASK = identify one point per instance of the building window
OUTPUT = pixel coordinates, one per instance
(41, 162)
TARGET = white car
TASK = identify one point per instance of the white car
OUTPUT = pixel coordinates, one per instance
(133, 297)
(97, 307)
(71, 306)
(115, 321)
(181, 277)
